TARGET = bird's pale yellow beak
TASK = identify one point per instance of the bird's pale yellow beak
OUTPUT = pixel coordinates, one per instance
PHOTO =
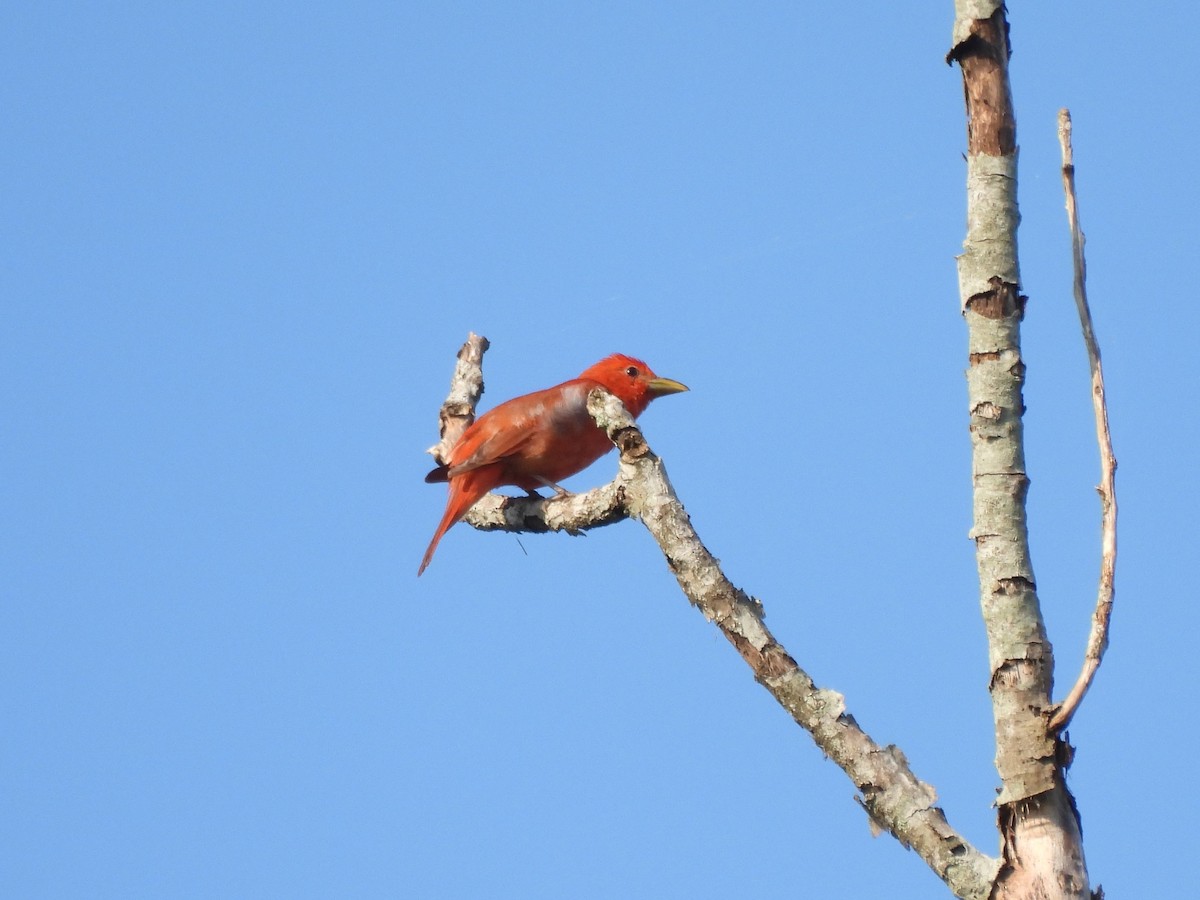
(660, 387)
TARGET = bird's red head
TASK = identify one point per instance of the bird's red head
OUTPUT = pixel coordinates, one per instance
(632, 381)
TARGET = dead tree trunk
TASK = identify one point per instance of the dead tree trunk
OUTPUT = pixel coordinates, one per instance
(1040, 837)
(1041, 841)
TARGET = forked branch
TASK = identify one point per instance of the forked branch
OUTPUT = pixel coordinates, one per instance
(894, 798)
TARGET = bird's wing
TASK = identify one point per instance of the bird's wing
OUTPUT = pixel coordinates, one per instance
(506, 430)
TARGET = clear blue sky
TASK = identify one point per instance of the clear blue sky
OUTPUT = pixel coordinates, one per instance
(241, 247)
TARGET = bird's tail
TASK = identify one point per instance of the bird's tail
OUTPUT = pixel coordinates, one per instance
(464, 491)
(442, 528)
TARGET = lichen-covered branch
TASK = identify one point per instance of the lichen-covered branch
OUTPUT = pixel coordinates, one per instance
(1098, 636)
(572, 513)
(466, 387)
(1021, 659)
(1040, 835)
(895, 799)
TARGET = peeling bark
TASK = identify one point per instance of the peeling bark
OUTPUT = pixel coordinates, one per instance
(1040, 833)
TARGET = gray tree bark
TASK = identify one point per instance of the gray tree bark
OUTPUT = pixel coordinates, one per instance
(1041, 840)
(1041, 848)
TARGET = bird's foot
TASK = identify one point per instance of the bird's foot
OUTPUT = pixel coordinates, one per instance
(559, 490)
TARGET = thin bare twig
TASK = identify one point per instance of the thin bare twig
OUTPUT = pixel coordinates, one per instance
(1098, 637)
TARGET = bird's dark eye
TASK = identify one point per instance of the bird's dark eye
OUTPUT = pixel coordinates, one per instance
(632, 372)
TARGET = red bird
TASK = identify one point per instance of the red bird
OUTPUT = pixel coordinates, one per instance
(541, 438)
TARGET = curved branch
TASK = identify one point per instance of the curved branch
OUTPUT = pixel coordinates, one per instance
(1098, 636)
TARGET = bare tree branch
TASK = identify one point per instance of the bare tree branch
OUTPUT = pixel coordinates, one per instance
(572, 513)
(1020, 654)
(894, 798)
(1041, 839)
(466, 387)
(1098, 637)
